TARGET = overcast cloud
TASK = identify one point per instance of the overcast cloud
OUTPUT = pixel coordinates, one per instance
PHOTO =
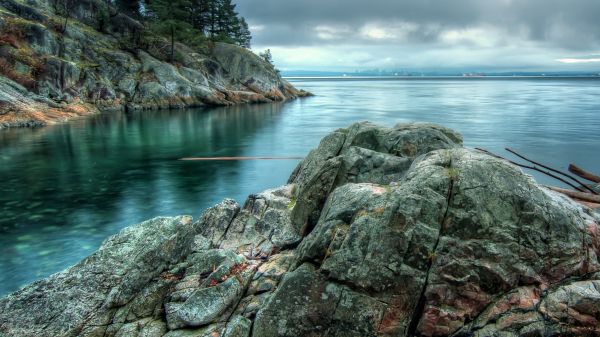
(427, 34)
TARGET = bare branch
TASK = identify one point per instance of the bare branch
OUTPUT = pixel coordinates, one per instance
(535, 168)
(552, 170)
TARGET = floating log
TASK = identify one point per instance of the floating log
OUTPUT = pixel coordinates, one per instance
(238, 158)
(577, 195)
(584, 174)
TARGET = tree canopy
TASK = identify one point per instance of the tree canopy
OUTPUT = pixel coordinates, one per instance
(191, 20)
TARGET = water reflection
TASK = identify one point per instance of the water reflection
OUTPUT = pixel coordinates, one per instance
(66, 188)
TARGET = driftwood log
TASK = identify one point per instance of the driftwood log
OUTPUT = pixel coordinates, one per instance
(577, 195)
(584, 174)
(238, 158)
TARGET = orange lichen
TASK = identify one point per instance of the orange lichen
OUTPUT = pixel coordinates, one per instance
(234, 271)
(23, 110)
(11, 33)
(170, 277)
(8, 39)
(7, 69)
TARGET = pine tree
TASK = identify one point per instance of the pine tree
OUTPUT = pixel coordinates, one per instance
(228, 21)
(244, 36)
(193, 20)
(267, 56)
(172, 18)
(129, 7)
(212, 18)
(199, 13)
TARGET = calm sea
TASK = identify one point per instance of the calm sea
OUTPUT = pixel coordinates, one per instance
(65, 188)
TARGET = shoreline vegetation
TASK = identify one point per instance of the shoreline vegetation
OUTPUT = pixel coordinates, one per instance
(62, 58)
(380, 231)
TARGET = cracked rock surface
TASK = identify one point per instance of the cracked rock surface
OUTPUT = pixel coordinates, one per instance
(380, 232)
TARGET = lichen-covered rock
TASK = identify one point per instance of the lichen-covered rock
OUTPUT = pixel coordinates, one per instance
(204, 305)
(404, 233)
(363, 153)
(89, 293)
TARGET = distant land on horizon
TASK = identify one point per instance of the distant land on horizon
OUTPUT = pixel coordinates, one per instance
(441, 73)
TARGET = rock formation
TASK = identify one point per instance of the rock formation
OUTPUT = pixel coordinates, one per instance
(53, 68)
(380, 232)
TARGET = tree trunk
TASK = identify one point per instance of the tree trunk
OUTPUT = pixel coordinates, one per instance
(172, 44)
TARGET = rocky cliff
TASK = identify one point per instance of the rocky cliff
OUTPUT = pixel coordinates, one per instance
(380, 232)
(53, 67)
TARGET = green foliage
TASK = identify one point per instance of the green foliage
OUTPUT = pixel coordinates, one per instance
(222, 23)
(192, 21)
(292, 203)
(172, 20)
(267, 56)
(129, 7)
(103, 18)
(244, 36)
(452, 173)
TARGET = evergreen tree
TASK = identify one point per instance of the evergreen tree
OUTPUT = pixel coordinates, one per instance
(212, 13)
(244, 36)
(267, 56)
(228, 20)
(190, 20)
(129, 7)
(199, 13)
(172, 18)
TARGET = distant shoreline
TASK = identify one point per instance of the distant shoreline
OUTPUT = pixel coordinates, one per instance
(392, 78)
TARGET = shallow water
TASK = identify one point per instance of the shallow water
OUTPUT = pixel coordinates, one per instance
(66, 188)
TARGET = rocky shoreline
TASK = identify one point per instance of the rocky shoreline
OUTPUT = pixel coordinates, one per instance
(380, 232)
(104, 60)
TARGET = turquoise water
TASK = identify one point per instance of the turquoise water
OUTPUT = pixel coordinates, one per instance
(65, 188)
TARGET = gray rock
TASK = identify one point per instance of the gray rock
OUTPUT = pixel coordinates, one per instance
(362, 153)
(204, 306)
(153, 329)
(238, 327)
(253, 73)
(215, 222)
(209, 331)
(303, 305)
(88, 293)
(89, 63)
(404, 233)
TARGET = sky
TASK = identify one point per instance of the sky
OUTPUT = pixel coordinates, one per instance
(476, 35)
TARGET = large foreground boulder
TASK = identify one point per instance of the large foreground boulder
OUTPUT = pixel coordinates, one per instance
(381, 232)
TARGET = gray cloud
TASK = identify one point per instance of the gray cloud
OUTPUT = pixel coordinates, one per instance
(554, 28)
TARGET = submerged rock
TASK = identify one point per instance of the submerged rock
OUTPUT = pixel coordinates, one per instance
(381, 232)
